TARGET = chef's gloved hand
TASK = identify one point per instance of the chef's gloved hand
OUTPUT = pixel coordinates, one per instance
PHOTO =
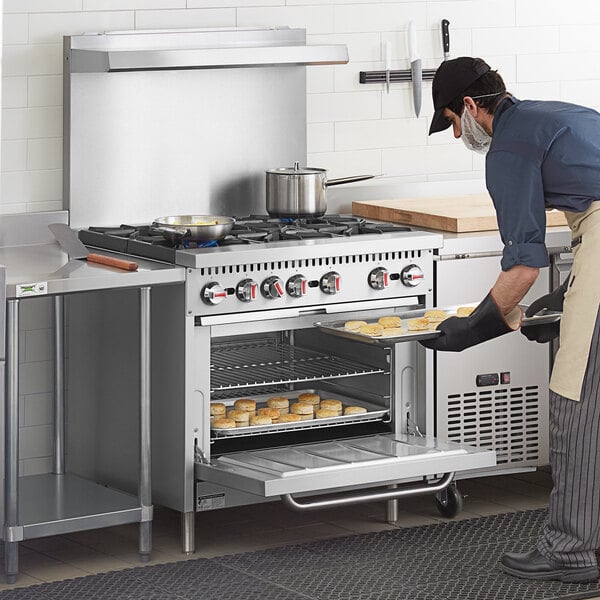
(484, 323)
(546, 332)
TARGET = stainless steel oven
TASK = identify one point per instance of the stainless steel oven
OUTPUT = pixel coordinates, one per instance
(243, 324)
(266, 344)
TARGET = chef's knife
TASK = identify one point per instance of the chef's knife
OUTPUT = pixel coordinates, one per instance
(69, 241)
(446, 38)
(415, 67)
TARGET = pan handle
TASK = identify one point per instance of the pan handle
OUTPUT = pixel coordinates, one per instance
(341, 180)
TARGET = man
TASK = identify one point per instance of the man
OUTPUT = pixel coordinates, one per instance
(540, 155)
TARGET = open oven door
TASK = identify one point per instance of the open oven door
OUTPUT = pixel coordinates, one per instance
(325, 467)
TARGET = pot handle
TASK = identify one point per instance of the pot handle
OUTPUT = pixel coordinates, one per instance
(341, 180)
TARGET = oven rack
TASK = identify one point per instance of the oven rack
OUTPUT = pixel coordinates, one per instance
(259, 363)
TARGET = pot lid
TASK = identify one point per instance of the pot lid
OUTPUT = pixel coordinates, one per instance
(297, 170)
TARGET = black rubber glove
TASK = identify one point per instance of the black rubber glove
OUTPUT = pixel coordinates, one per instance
(484, 323)
(546, 332)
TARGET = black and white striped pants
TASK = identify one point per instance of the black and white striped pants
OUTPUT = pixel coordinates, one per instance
(572, 531)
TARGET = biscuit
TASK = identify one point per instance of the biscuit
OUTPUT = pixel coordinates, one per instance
(354, 325)
(260, 420)
(309, 398)
(420, 324)
(354, 410)
(289, 418)
(388, 322)
(330, 404)
(324, 413)
(304, 410)
(246, 405)
(435, 315)
(281, 403)
(217, 409)
(272, 413)
(375, 330)
(241, 417)
(223, 424)
(464, 311)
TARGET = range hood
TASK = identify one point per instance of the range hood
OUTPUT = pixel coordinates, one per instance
(197, 49)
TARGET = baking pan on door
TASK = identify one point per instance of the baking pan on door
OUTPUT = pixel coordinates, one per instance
(373, 460)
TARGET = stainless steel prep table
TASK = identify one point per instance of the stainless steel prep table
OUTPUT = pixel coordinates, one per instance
(60, 502)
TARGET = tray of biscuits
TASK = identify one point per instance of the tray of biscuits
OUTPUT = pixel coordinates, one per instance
(405, 326)
(297, 409)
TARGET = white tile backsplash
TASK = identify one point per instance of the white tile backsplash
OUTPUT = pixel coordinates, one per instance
(343, 106)
(49, 28)
(315, 19)
(14, 92)
(14, 155)
(544, 49)
(45, 90)
(390, 133)
(15, 28)
(184, 19)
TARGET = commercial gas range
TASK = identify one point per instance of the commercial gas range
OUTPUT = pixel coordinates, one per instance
(243, 326)
(215, 109)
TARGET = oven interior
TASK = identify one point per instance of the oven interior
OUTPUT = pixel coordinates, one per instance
(292, 361)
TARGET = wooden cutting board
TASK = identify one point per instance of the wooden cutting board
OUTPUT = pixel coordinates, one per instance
(456, 213)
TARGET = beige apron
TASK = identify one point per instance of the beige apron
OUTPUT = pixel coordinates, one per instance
(581, 305)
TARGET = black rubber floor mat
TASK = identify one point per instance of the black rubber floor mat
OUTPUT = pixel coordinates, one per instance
(450, 561)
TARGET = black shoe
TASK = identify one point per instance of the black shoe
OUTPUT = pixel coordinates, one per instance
(532, 565)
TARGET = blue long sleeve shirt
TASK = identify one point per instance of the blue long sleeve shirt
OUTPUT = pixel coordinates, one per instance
(543, 155)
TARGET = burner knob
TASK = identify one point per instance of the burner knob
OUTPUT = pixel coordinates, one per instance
(379, 278)
(411, 275)
(213, 293)
(331, 282)
(297, 286)
(247, 290)
(272, 288)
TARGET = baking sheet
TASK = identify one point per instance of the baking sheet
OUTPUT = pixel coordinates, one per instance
(374, 413)
(337, 327)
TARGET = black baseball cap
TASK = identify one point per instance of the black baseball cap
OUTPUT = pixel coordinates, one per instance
(451, 79)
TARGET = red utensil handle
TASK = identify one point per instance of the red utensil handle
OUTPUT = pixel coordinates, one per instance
(119, 263)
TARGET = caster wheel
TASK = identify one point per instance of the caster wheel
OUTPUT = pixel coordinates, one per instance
(449, 502)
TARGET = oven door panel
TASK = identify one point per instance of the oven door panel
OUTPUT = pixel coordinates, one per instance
(372, 460)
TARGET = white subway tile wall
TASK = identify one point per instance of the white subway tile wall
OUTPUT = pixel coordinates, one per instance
(543, 48)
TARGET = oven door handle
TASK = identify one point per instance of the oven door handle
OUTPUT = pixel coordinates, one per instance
(368, 495)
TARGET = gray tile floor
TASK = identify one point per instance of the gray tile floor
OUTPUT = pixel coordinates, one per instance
(259, 526)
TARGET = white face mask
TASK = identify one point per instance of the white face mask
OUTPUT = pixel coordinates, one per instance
(474, 136)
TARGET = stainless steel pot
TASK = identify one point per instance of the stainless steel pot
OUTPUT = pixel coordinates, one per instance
(301, 191)
(197, 228)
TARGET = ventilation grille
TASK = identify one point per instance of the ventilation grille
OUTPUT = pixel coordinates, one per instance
(331, 261)
(504, 420)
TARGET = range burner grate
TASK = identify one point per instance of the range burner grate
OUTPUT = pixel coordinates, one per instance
(251, 229)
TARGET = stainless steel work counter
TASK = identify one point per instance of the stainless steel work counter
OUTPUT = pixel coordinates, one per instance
(558, 239)
(45, 269)
(61, 502)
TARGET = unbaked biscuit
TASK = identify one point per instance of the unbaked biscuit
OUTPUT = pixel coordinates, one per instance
(374, 329)
(354, 325)
(354, 410)
(435, 315)
(420, 324)
(388, 322)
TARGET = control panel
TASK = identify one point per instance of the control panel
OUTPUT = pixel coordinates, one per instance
(222, 290)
